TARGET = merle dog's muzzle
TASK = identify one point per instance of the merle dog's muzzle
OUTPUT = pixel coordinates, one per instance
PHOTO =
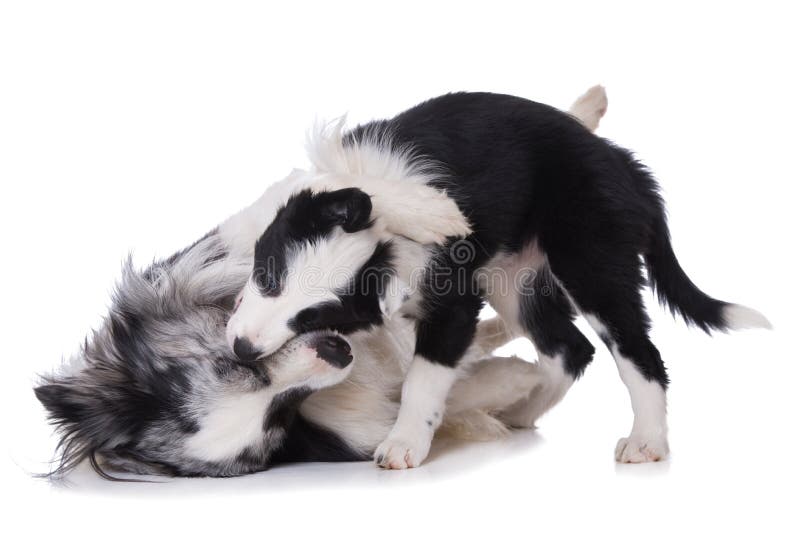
(330, 348)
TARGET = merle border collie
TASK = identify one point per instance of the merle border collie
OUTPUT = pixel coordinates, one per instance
(569, 217)
(158, 390)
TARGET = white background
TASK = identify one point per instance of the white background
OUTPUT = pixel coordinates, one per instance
(139, 126)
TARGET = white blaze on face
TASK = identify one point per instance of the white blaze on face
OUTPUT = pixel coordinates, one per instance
(315, 272)
(233, 420)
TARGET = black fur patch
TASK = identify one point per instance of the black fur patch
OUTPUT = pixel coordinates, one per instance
(357, 307)
(304, 441)
(306, 217)
(547, 315)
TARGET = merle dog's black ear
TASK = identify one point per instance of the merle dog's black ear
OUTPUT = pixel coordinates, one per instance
(349, 208)
(92, 423)
(83, 418)
(68, 408)
(59, 401)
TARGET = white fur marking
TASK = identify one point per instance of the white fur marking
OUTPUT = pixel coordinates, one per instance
(422, 407)
(596, 325)
(505, 275)
(234, 422)
(738, 317)
(396, 180)
(648, 439)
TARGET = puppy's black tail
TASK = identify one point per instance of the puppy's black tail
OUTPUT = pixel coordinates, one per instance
(676, 291)
(672, 285)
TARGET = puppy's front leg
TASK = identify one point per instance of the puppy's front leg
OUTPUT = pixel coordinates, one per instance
(414, 210)
(442, 339)
(422, 406)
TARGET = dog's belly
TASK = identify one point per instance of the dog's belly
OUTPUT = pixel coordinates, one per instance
(504, 278)
(362, 409)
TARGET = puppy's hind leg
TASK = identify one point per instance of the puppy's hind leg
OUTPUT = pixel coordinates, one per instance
(546, 314)
(608, 293)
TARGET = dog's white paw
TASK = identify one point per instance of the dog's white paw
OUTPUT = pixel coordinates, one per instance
(641, 449)
(428, 217)
(398, 452)
(446, 220)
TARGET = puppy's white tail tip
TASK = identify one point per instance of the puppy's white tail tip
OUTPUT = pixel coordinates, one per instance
(590, 107)
(738, 317)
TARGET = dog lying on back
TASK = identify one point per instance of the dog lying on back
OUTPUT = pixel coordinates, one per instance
(158, 389)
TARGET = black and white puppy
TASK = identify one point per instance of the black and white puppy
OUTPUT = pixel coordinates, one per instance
(562, 223)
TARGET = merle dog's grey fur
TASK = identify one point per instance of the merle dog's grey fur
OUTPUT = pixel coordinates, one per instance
(135, 392)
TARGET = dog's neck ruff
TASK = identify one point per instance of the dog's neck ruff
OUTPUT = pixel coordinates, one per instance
(374, 154)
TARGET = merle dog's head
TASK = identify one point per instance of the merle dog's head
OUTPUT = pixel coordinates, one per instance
(316, 266)
(157, 390)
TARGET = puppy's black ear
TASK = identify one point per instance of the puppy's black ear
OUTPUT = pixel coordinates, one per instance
(349, 208)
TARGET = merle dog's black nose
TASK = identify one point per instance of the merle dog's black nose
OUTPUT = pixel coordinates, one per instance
(333, 350)
(245, 350)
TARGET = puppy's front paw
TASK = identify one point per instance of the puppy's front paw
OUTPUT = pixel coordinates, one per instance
(641, 449)
(402, 453)
(443, 220)
(426, 216)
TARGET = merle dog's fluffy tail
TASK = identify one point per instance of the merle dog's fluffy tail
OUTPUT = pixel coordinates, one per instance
(672, 285)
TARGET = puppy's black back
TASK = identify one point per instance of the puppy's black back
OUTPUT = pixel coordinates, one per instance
(522, 170)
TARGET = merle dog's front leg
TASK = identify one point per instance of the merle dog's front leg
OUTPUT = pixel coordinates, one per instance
(443, 337)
